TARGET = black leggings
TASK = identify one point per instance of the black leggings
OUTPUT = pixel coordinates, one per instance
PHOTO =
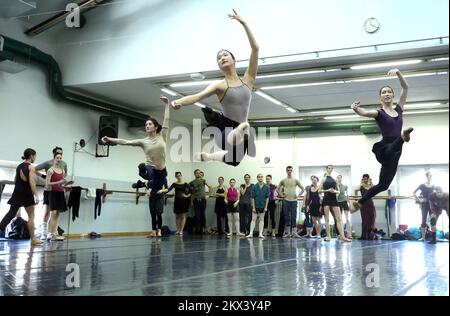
(156, 205)
(388, 153)
(9, 217)
(271, 208)
(425, 208)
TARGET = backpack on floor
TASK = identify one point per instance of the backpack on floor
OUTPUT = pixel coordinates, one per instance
(19, 229)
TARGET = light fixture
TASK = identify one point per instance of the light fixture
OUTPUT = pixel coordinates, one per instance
(169, 92)
(387, 64)
(340, 117)
(277, 120)
(288, 74)
(268, 97)
(329, 112)
(302, 85)
(193, 83)
(291, 110)
(421, 105)
(439, 59)
(426, 111)
(200, 105)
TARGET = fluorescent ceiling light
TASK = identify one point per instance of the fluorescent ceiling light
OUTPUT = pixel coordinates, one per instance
(439, 59)
(287, 74)
(301, 85)
(329, 112)
(193, 83)
(200, 105)
(339, 117)
(278, 120)
(268, 97)
(291, 110)
(421, 105)
(426, 112)
(169, 92)
(387, 64)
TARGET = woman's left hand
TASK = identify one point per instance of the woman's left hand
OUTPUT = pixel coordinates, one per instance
(235, 16)
(164, 99)
(393, 72)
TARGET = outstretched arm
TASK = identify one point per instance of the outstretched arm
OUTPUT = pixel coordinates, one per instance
(250, 74)
(118, 141)
(362, 112)
(191, 99)
(165, 126)
(403, 83)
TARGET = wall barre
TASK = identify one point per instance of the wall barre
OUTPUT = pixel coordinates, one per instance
(136, 192)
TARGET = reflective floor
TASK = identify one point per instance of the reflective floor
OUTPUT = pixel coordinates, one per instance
(211, 265)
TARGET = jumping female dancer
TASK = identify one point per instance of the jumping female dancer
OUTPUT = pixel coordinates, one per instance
(154, 147)
(235, 95)
(24, 194)
(390, 122)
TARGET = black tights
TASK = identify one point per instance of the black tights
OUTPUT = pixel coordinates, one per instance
(9, 217)
(388, 153)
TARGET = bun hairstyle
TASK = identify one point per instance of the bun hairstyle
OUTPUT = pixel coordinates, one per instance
(381, 89)
(28, 153)
(157, 125)
(225, 50)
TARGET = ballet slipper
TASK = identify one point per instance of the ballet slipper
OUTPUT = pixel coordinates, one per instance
(406, 134)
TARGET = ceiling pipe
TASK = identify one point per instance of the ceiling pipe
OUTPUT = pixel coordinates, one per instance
(13, 49)
(83, 5)
(365, 128)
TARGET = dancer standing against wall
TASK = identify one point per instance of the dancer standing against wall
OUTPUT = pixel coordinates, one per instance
(368, 210)
(181, 201)
(425, 190)
(313, 205)
(55, 181)
(46, 166)
(287, 189)
(330, 188)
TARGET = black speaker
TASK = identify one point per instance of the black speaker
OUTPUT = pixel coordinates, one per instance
(108, 126)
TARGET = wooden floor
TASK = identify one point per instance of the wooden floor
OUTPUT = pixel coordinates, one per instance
(215, 265)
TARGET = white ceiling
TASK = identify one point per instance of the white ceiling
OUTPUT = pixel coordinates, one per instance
(143, 94)
(33, 11)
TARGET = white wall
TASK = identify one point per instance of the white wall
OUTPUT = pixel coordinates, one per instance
(158, 38)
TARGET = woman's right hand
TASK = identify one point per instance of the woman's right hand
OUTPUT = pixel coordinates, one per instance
(105, 139)
(355, 105)
(176, 104)
(236, 16)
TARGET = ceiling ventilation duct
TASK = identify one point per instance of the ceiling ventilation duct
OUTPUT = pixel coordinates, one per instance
(14, 8)
(7, 63)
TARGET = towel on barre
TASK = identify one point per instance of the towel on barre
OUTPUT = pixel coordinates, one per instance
(90, 193)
